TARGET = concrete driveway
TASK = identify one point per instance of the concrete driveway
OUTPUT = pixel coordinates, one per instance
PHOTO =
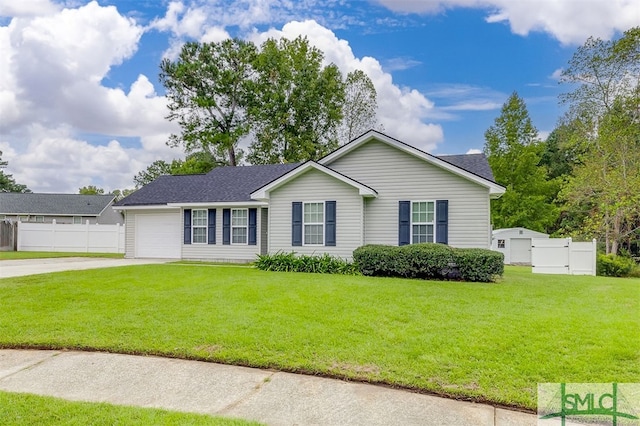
(18, 268)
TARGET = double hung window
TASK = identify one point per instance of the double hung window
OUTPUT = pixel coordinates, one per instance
(313, 223)
(422, 221)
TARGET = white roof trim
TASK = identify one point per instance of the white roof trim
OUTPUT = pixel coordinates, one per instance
(263, 193)
(495, 190)
(222, 204)
(146, 207)
(516, 229)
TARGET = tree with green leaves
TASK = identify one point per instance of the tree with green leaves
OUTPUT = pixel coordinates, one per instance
(209, 88)
(514, 151)
(605, 70)
(359, 112)
(90, 190)
(606, 185)
(601, 195)
(298, 103)
(151, 173)
(121, 193)
(7, 182)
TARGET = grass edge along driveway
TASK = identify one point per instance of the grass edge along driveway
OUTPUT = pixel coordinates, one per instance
(27, 409)
(483, 342)
(18, 255)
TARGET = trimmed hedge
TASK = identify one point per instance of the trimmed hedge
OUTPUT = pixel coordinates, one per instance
(429, 261)
(290, 262)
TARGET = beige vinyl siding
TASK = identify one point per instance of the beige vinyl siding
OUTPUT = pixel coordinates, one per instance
(130, 228)
(397, 175)
(219, 252)
(315, 186)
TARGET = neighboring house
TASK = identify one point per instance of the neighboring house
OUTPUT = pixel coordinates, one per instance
(63, 208)
(515, 244)
(373, 190)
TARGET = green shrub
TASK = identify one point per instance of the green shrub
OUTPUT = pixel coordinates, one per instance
(479, 264)
(610, 265)
(290, 262)
(429, 261)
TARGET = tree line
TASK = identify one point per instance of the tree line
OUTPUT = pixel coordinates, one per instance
(584, 179)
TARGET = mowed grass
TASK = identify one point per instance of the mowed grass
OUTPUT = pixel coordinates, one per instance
(484, 342)
(25, 409)
(17, 255)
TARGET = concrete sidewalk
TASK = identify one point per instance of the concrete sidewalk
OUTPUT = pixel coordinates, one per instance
(271, 397)
(18, 268)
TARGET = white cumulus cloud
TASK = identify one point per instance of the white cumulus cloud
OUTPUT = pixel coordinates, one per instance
(570, 22)
(53, 64)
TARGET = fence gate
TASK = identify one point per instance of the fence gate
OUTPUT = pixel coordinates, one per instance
(563, 256)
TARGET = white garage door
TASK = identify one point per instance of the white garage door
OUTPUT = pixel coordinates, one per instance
(521, 251)
(158, 235)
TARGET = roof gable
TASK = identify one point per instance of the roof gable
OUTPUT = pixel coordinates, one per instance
(53, 204)
(263, 192)
(473, 167)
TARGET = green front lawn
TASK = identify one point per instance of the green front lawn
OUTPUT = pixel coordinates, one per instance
(486, 342)
(25, 409)
(15, 255)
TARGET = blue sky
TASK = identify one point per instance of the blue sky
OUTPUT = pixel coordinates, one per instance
(80, 103)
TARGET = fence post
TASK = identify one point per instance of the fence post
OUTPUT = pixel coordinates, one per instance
(53, 235)
(594, 249)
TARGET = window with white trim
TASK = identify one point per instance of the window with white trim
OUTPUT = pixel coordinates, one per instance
(239, 226)
(501, 244)
(199, 226)
(422, 221)
(313, 223)
(77, 220)
(40, 219)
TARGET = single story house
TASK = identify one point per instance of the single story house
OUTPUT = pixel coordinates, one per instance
(63, 208)
(373, 190)
(515, 244)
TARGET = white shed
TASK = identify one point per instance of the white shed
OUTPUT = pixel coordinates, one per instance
(515, 244)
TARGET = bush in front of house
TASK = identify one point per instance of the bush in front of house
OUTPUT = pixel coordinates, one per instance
(429, 261)
(610, 265)
(290, 262)
(476, 264)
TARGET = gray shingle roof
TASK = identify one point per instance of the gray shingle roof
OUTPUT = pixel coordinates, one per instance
(53, 204)
(234, 184)
(219, 185)
(474, 163)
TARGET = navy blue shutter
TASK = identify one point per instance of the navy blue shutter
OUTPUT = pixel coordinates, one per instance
(442, 221)
(330, 223)
(253, 213)
(212, 226)
(226, 226)
(404, 223)
(296, 223)
(187, 226)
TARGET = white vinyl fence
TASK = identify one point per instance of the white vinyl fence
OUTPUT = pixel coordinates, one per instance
(70, 238)
(563, 256)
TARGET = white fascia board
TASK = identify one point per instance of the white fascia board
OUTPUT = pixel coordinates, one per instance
(495, 190)
(222, 204)
(263, 193)
(146, 207)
